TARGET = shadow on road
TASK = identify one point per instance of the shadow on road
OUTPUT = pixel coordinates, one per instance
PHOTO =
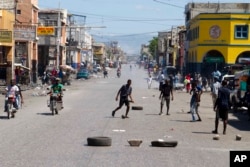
(152, 114)
(46, 114)
(203, 133)
(3, 117)
(241, 124)
(181, 120)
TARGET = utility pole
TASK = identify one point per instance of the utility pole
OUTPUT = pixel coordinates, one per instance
(58, 38)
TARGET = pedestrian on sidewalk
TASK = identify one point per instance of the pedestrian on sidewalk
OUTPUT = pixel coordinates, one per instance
(221, 107)
(149, 81)
(166, 91)
(196, 92)
(125, 91)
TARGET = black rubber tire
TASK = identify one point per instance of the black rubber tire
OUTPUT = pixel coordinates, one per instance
(137, 108)
(99, 141)
(164, 143)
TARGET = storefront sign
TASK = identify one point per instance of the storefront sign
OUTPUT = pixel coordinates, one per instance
(214, 59)
(98, 50)
(6, 36)
(45, 31)
(25, 32)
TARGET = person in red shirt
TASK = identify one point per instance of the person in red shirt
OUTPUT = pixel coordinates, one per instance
(54, 72)
(17, 74)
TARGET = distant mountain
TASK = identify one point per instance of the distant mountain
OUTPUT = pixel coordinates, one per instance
(130, 44)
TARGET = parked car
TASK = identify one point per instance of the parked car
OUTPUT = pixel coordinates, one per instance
(83, 73)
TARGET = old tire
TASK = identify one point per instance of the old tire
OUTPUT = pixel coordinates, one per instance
(164, 143)
(137, 108)
(99, 141)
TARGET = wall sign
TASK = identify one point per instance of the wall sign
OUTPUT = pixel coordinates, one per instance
(214, 31)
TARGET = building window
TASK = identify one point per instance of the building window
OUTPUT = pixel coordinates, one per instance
(50, 23)
(241, 31)
(18, 11)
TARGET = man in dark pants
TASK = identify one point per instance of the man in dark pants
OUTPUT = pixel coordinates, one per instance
(221, 107)
(125, 91)
(196, 92)
(166, 90)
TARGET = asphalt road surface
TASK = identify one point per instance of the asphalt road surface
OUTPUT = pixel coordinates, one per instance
(35, 138)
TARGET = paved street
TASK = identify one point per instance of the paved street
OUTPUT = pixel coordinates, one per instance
(36, 138)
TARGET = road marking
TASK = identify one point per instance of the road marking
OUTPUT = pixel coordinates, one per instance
(119, 130)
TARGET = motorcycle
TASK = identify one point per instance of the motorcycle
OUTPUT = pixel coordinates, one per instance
(55, 102)
(10, 109)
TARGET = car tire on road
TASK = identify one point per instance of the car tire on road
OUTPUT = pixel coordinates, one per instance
(137, 108)
(164, 143)
(99, 141)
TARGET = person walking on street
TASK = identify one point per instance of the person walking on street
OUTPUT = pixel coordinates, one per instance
(221, 107)
(166, 91)
(125, 91)
(196, 92)
(161, 80)
(215, 87)
(149, 81)
(105, 73)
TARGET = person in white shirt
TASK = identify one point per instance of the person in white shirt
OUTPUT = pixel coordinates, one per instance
(161, 80)
(12, 90)
(149, 81)
(215, 87)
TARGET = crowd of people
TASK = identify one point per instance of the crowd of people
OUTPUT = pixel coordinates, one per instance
(195, 85)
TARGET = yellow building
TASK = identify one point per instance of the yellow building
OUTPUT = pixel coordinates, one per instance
(217, 40)
(99, 53)
(6, 45)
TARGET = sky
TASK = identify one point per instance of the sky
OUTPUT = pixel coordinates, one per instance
(130, 22)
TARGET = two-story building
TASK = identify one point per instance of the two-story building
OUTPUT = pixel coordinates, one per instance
(6, 45)
(218, 37)
(26, 19)
(99, 53)
(51, 32)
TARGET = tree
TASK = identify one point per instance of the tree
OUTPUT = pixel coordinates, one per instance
(153, 46)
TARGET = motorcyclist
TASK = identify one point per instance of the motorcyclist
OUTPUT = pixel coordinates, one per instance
(57, 88)
(12, 90)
